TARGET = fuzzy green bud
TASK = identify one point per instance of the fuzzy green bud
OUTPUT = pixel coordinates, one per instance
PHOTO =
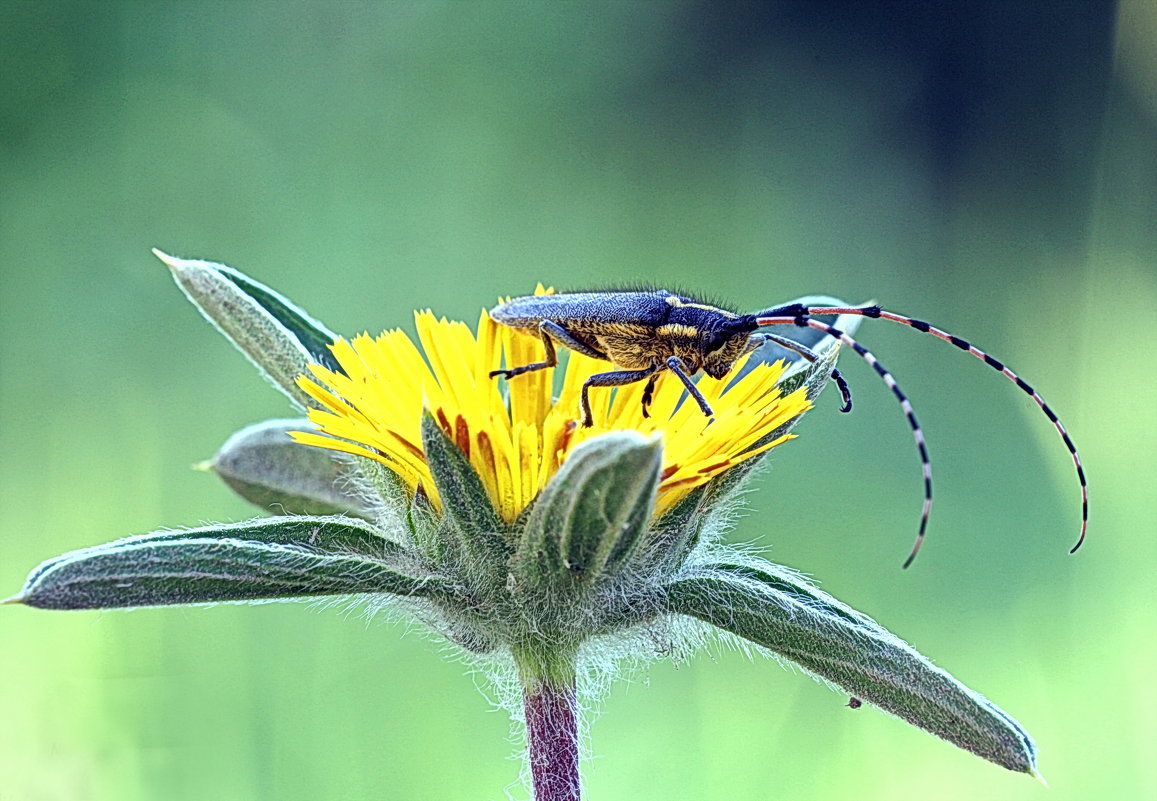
(267, 468)
(590, 520)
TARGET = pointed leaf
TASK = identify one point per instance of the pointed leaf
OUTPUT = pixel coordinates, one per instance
(773, 607)
(271, 559)
(340, 536)
(279, 339)
(267, 468)
(312, 335)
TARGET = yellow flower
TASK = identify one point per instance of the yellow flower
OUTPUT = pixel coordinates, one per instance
(517, 441)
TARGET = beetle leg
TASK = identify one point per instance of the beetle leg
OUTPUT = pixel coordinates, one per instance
(649, 393)
(549, 328)
(612, 379)
(676, 366)
(784, 342)
(551, 332)
(550, 361)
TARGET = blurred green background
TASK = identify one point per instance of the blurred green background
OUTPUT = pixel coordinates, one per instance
(988, 166)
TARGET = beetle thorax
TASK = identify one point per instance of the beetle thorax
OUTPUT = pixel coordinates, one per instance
(704, 338)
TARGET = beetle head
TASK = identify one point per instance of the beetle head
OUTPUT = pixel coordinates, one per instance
(722, 345)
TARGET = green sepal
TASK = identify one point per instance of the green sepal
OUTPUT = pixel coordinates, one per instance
(774, 607)
(277, 337)
(268, 469)
(589, 522)
(425, 526)
(267, 559)
(680, 529)
(464, 498)
(381, 483)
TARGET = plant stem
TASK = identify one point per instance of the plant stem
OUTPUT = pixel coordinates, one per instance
(550, 706)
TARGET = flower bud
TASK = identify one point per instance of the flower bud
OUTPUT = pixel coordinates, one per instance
(267, 468)
(589, 522)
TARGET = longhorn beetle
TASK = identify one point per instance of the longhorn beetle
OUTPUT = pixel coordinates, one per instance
(645, 333)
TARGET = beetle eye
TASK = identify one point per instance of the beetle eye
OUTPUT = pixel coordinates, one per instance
(717, 341)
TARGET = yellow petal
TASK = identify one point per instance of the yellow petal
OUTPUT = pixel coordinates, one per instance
(516, 435)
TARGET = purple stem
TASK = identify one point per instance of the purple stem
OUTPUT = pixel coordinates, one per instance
(552, 739)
